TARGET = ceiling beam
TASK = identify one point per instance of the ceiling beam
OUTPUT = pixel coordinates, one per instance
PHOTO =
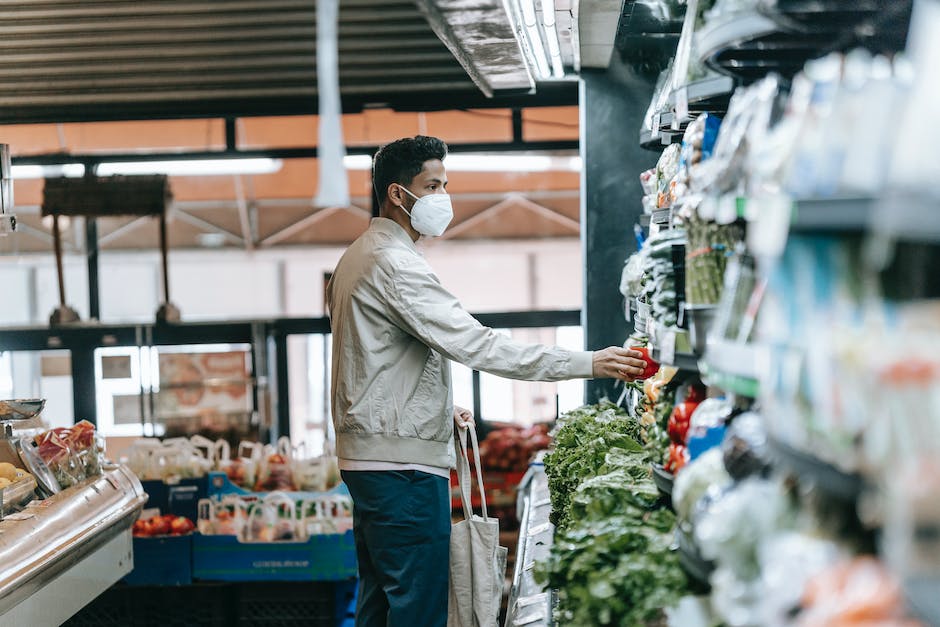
(279, 153)
(302, 224)
(206, 225)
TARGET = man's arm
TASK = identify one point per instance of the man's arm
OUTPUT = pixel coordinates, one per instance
(425, 309)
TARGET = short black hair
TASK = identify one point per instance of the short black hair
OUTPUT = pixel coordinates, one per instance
(401, 161)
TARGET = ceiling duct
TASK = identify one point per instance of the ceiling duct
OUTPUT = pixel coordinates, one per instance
(482, 36)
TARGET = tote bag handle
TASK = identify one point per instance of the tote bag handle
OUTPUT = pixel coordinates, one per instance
(463, 470)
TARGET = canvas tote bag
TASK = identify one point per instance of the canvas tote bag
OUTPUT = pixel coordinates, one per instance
(477, 562)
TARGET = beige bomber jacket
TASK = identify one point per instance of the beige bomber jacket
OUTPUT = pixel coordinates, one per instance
(395, 331)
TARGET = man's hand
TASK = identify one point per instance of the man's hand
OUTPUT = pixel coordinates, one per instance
(618, 363)
(463, 418)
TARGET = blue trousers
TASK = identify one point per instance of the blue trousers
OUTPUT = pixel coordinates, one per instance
(402, 530)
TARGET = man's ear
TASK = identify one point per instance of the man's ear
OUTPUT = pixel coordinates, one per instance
(394, 194)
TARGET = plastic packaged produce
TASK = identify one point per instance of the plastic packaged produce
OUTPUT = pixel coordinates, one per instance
(276, 473)
(857, 592)
(707, 425)
(72, 453)
(732, 528)
(704, 474)
(698, 143)
(788, 561)
(744, 449)
(709, 248)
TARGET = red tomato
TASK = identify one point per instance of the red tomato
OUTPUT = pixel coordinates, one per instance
(652, 366)
(181, 526)
(143, 529)
(160, 526)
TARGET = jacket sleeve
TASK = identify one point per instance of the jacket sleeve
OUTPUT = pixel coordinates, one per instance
(422, 307)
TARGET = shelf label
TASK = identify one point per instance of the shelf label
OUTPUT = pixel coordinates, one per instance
(654, 126)
(682, 106)
(667, 349)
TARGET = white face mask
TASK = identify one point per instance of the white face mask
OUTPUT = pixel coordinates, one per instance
(430, 214)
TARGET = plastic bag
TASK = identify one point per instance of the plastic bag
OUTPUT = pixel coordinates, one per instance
(276, 472)
(273, 519)
(697, 478)
(222, 518)
(327, 515)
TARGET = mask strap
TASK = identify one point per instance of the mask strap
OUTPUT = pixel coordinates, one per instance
(402, 207)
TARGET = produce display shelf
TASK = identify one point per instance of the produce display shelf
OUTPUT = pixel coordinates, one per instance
(728, 32)
(853, 215)
(661, 216)
(695, 566)
(682, 361)
(657, 143)
(530, 604)
(708, 95)
(734, 384)
(812, 471)
(663, 479)
(732, 366)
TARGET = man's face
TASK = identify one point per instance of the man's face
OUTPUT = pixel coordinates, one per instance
(431, 180)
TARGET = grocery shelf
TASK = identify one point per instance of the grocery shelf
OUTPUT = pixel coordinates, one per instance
(708, 95)
(657, 143)
(695, 566)
(732, 366)
(662, 479)
(842, 214)
(661, 216)
(908, 218)
(529, 604)
(682, 361)
(812, 471)
(728, 32)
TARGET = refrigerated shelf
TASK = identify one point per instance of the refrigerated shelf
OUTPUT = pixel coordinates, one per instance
(58, 554)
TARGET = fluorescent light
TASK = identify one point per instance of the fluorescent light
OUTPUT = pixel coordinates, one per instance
(467, 162)
(535, 38)
(68, 170)
(192, 167)
(357, 162)
(551, 35)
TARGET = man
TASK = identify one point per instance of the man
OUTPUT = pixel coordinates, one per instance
(395, 332)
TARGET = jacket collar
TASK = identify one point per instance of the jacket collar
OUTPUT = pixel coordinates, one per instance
(390, 227)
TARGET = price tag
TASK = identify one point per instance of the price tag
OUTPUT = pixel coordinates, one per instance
(667, 348)
(682, 106)
(654, 126)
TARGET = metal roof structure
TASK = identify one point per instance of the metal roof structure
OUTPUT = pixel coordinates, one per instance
(79, 60)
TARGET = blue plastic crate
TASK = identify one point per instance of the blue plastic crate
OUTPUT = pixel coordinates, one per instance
(320, 558)
(219, 485)
(179, 499)
(163, 561)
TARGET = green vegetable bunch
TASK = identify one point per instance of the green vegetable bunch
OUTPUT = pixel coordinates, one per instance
(582, 442)
(707, 253)
(616, 570)
(611, 560)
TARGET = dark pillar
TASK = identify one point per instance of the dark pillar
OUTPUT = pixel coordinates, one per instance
(91, 252)
(84, 399)
(613, 103)
(281, 422)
